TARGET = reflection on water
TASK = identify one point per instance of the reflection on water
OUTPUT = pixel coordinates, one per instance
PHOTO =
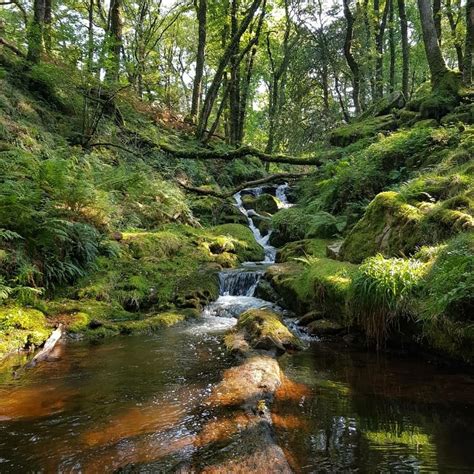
(369, 413)
(143, 403)
(129, 401)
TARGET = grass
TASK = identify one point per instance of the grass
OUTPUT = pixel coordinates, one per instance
(382, 294)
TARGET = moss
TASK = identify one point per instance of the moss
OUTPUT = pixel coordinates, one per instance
(266, 203)
(152, 323)
(298, 222)
(387, 227)
(357, 130)
(264, 329)
(302, 248)
(21, 328)
(314, 283)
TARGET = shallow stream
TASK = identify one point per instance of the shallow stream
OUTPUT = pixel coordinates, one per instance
(139, 403)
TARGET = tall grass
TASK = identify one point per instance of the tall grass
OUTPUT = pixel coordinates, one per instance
(382, 292)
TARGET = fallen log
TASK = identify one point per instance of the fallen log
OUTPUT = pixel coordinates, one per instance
(49, 345)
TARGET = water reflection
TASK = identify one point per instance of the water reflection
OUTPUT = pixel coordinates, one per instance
(370, 413)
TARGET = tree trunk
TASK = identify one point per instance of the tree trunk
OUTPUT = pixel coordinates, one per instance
(435, 59)
(114, 40)
(391, 39)
(354, 67)
(453, 23)
(217, 80)
(234, 83)
(36, 32)
(379, 50)
(48, 18)
(469, 46)
(201, 11)
(405, 48)
(90, 36)
(437, 18)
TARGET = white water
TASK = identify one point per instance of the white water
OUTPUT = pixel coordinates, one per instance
(237, 287)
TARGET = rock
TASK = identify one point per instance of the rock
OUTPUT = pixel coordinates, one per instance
(324, 327)
(265, 291)
(333, 250)
(263, 224)
(262, 329)
(95, 324)
(385, 105)
(248, 201)
(245, 433)
(310, 317)
(266, 203)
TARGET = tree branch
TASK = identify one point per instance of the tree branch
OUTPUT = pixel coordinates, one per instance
(227, 155)
(12, 47)
(242, 152)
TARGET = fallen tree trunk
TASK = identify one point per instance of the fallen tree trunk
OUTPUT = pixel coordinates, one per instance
(49, 345)
(242, 152)
(248, 184)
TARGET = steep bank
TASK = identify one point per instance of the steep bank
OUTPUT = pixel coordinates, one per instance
(381, 241)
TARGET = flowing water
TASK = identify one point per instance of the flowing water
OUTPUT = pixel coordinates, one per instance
(139, 404)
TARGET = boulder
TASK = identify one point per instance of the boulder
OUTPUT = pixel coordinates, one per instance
(333, 250)
(324, 327)
(310, 317)
(385, 105)
(266, 203)
(262, 329)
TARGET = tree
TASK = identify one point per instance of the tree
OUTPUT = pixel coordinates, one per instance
(353, 65)
(201, 13)
(438, 69)
(36, 32)
(114, 40)
(405, 47)
(216, 83)
(469, 43)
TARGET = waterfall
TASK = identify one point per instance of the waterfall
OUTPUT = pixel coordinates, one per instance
(238, 282)
(237, 287)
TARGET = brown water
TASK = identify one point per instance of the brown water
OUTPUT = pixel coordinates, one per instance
(137, 404)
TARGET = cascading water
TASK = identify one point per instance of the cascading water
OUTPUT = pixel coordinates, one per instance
(238, 286)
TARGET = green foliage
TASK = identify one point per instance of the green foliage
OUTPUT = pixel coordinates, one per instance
(21, 328)
(450, 281)
(382, 291)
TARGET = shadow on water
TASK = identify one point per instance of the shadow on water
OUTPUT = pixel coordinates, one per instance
(369, 413)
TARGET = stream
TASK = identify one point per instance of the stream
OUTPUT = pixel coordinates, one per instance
(139, 403)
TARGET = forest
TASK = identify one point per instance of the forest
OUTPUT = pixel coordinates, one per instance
(236, 236)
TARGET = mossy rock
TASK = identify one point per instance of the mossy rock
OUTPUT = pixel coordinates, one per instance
(385, 105)
(266, 203)
(211, 211)
(388, 226)
(248, 201)
(359, 129)
(263, 224)
(298, 223)
(21, 328)
(197, 290)
(264, 329)
(464, 114)
(325, 327)
(301, 248)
